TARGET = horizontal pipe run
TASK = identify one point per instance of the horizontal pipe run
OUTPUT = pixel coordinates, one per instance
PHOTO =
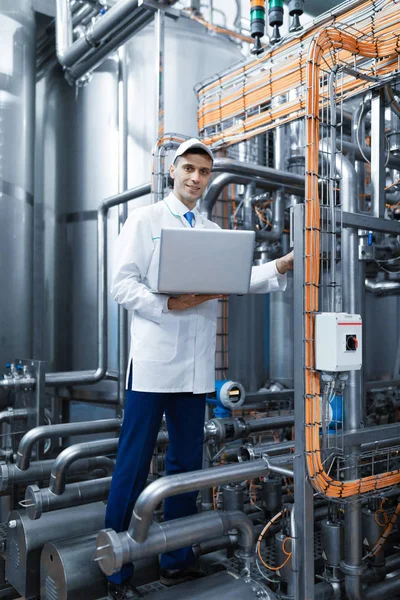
(114, 550)
(39, 501)
(223, 179)
(173, 485)
(286, 180)
(97, 56)
(40, 470)
(104, 27)
(382, 288)
(10, 415)
(350, 148)
(18, 383)
(267, 423)
(383, 589)
(44, 432)
(67, 457)
(253, 451)
(220, 430)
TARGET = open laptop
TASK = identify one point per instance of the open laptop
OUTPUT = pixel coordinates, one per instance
(205, 261)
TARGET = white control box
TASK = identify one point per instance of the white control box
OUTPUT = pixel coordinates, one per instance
(338, 342)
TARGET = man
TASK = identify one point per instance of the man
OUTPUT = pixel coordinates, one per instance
(172, 357)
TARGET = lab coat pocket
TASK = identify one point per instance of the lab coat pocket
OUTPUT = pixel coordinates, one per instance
(156, 342)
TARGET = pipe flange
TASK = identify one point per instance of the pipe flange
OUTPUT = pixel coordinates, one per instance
(90, 38)
(33, 502)
(246, 453)
(353, 569)
(109, 551)
(214, 431)
(4, 477)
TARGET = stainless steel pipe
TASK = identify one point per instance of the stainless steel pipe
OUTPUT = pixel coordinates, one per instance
(13, 414)
(67, 457)
(40, 470)
(244, 173)
(39, 501)
(87, 377)
(33, 436)
(253, 451)
(219, 586)
(292, 183)
(173, 485)
(382, 288)
(116, 549)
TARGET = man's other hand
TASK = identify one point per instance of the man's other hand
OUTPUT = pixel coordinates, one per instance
(190, 300)
(285, 263)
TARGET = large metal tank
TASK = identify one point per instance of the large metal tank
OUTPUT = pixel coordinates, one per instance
(191, 55)
(78, 168)
(17, 101)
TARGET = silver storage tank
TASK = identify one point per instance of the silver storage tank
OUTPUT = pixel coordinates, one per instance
(191, 55)
(78, 168)
(26, 538)
(17, 102)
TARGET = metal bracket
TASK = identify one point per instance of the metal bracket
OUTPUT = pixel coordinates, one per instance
(358, 74)
(155, 6)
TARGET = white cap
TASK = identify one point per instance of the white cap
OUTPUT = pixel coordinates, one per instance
(192, 143)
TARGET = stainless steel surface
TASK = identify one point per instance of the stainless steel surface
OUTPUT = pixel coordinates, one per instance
(233, 496)
(17, 105)
(117, 17)
(221, 585)
(123, 209)
(384, 589)
(290, 182)
(251, 452)
(26, 540)
(115, 550)
(352, 149)
(68, 572)
(281, 346)
(382, 288)
(67, 457)
(332, 542)
(39, 501)
(33, 436)
(64, 34)
(185, 482)
(40, 470)
(304, 575)
(67, 569)
(79, 133)
(378, 142)
(215, 188)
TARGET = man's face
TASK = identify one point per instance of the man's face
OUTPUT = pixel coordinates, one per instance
(191, 174)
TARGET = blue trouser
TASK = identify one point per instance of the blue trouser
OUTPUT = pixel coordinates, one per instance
(142, 419)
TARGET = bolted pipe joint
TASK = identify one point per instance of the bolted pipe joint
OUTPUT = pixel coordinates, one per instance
(112, 550)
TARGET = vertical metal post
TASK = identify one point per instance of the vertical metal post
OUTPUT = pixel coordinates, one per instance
(160, 49)
(211, 11)
(353, 278)
(122, 210)
(378, 148)
(304, 575)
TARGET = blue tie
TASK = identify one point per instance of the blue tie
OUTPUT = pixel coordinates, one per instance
(189, 216)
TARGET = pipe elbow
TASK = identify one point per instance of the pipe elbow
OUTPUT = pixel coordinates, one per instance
(145, 505)
(238, 520)
(60, 466)
(25, 447)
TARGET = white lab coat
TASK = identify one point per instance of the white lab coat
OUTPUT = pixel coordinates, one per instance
(171, 351)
